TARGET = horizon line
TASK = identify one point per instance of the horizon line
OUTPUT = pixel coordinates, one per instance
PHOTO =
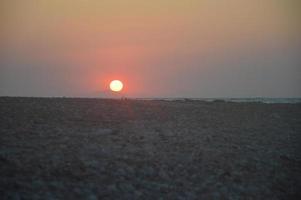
(124, 97)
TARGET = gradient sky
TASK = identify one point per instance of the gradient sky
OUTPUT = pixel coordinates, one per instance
(158, 48)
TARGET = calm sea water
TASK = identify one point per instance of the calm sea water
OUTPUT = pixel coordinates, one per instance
(262, 100)
(265, 100)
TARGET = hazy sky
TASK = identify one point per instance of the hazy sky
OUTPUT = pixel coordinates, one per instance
(158, 48)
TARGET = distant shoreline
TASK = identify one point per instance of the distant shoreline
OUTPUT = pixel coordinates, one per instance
(225, 100)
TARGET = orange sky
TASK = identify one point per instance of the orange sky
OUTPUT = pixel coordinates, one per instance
(160, 48)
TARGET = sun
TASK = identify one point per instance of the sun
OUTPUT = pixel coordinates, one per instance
(116, 85)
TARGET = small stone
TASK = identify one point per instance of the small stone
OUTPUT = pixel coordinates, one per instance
(163, 174)
(112, 188)
(148, 171)
(127, 187)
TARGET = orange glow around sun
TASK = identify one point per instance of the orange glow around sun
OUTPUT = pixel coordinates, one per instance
(116, 85)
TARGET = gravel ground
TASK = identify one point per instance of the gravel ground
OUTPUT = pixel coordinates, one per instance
(63, 148)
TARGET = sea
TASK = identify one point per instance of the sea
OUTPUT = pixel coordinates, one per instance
(257, 99)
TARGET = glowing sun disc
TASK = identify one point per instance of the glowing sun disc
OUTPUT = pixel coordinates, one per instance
(116, 86)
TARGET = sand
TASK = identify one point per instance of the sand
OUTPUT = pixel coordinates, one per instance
(63, 148)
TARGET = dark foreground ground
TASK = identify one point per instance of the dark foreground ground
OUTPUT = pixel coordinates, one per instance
(126, 149)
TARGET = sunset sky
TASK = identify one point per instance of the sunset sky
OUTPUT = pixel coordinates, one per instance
(158, 48)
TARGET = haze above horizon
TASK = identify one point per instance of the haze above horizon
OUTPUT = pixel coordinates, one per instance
(160, 48)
